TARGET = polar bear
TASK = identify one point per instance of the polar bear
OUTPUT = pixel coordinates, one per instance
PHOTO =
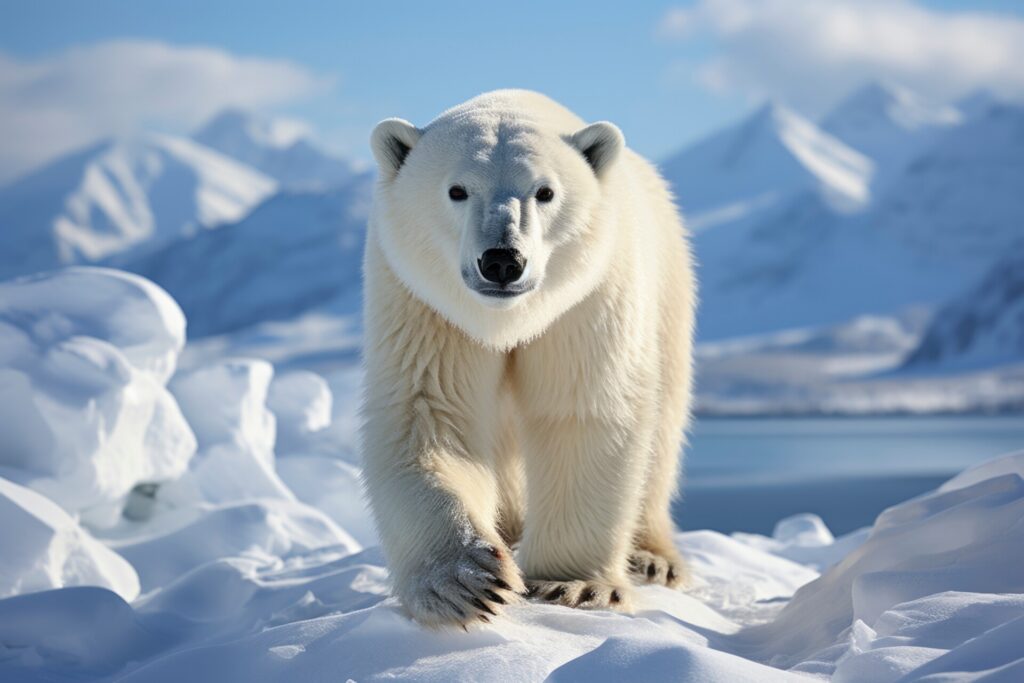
(529, 314)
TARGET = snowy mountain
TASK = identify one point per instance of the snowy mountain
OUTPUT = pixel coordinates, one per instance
(120, 196)
(982, 327)
(292, 253)
(759, 163)
(276, 148)
(889, 125)
(942, 221)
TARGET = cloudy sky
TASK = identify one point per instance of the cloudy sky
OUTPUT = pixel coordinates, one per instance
(73, 72)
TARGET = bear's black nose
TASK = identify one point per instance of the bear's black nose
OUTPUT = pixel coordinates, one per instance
(501, 266)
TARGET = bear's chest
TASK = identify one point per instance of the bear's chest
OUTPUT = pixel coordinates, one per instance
(588, 363)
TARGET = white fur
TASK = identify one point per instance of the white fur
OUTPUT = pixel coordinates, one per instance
(554, 418)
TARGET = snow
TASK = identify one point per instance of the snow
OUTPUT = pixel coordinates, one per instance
(121, 196)
(85, 354)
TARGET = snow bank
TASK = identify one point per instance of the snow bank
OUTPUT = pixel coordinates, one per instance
(85, 354)
(45, 548)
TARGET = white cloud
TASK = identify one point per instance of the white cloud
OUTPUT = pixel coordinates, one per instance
(53, 105)
(811, 52)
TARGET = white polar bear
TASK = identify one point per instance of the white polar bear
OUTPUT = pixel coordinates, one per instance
(529, 320)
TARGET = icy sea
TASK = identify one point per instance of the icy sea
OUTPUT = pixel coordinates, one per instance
(743, 474)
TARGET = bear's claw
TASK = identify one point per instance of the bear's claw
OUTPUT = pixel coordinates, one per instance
(590, 594)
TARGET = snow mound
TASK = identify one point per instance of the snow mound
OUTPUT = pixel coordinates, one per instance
(84, 357)
(124, 195)
(44, 548)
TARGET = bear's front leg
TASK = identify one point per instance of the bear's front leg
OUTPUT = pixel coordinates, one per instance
(584, 481)
(448, 565)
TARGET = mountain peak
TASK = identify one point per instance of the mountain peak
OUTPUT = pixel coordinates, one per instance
(890, 124)
(238, 126)
(772, 154)
(280, 148)
(883, 103)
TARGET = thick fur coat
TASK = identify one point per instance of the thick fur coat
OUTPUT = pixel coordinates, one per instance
(546, 414)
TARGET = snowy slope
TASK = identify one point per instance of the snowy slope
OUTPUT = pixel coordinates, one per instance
(120, 196)
(889, 125)
(294, 252)
(982, 327)
(275, 148)
(761, 162)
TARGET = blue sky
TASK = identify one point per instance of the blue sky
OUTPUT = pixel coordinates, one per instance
(667, 73)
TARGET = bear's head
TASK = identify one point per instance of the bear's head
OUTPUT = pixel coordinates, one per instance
(494, 214)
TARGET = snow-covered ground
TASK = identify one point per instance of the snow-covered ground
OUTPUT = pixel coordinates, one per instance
(205, 523)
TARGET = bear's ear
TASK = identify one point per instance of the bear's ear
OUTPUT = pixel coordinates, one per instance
(599, 143)
(391, 142)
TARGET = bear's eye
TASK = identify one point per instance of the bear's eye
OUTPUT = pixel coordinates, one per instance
(545, 194)
(457, 193)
